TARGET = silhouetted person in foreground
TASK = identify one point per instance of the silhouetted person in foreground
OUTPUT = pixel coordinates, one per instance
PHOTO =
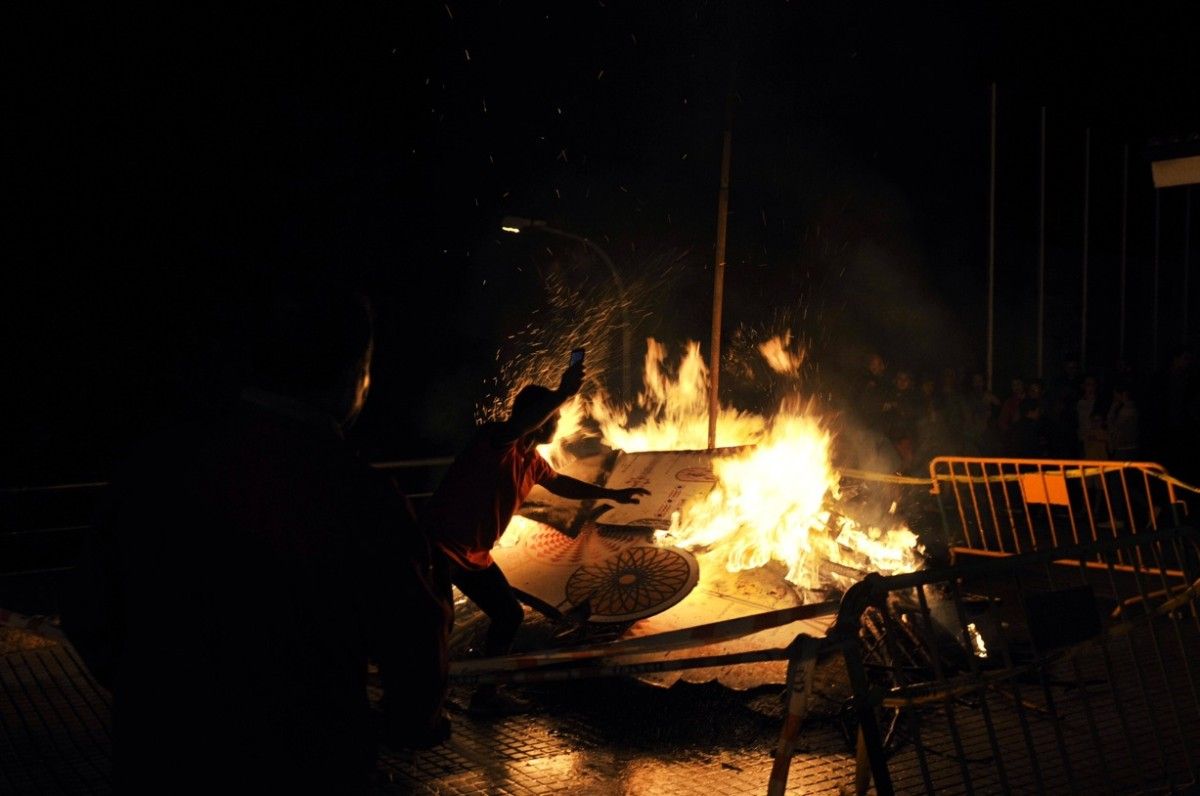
(473, 505)
(244, 570)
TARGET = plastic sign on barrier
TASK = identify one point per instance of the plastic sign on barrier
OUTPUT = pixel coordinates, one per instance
(1046, 488)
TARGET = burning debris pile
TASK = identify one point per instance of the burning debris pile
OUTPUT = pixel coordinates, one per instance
(769, 493)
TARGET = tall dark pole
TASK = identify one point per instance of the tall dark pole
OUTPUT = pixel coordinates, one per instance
(714, 365)
(1087, 195)
(1124, 242)
(1154, 300)
(1187, 254)
(991, 251)
(1041, 319)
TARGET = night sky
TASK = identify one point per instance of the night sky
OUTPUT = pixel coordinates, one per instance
(167, 165)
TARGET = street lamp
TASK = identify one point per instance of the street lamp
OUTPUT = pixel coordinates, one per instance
(515, 225)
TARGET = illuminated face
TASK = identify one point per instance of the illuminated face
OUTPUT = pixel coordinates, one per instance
(361, 387)
(360, 394)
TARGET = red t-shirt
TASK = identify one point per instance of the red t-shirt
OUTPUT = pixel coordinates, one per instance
(479, 495)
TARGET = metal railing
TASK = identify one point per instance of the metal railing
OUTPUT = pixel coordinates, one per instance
(1011, 675)
(998, 507)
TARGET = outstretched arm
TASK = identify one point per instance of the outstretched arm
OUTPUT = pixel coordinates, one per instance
(574, 489)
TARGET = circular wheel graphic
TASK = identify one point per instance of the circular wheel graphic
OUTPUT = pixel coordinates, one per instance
(639, 581)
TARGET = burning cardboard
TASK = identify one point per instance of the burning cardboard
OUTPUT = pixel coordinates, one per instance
(599, 562)
(600, 575)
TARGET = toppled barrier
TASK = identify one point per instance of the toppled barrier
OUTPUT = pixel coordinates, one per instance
(1038, 672)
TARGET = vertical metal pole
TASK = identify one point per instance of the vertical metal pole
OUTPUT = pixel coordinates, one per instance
(1154, 294)
(714, 366)
(991, 253)
(1041, 319)
(1087, 176)
(1187, 253)
(1124, 240)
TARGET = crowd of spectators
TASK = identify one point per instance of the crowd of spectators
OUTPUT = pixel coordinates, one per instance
(902, 419)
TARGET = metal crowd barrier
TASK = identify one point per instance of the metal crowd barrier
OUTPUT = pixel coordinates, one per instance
(1013, 675)
(997, 507)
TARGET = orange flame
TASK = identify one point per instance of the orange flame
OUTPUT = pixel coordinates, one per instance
(771, 501)
(779, 354)
(676, 410)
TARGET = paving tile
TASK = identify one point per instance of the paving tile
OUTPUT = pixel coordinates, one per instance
(621, 737)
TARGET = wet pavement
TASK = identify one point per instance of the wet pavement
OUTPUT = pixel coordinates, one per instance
(614, 736)
(1130, 719)
(623, 737)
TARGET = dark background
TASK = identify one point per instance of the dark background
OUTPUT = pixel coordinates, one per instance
(168, 165)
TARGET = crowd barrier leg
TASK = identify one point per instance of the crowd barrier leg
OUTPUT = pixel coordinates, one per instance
(801, 668)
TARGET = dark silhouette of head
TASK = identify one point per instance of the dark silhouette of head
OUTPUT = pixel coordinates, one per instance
(314, 342)
(531, 400)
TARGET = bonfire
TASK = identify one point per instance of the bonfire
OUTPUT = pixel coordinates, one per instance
(775, 494)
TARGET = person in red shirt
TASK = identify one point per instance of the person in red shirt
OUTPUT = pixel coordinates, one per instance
(476, 500)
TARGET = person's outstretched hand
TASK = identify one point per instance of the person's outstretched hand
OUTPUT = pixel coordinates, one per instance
(629, 495)
(572, 380)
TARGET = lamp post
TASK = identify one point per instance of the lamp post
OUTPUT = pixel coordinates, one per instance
(515, 225)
